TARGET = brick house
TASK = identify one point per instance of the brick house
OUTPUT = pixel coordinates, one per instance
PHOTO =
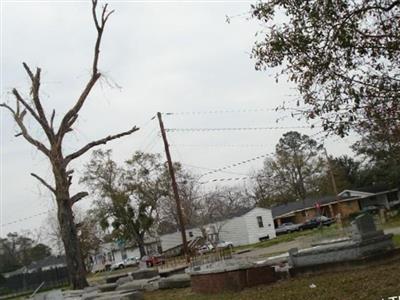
(377, 196)
(300, 211)
(345, 203)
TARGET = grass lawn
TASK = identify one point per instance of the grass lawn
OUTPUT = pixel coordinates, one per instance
(326, 232)
(279, 239)
(368, 282)
(100, 276)
(396, 240)
(393, 222)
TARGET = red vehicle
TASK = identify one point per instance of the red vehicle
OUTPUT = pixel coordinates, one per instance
(155, 260)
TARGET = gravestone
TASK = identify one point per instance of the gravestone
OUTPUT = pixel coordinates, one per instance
(363, 228)
(366, 241)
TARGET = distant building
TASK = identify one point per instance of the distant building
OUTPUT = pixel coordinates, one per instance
(246, 226)
(379, 196)
(344, 204)
(112, 252)
(47, 263)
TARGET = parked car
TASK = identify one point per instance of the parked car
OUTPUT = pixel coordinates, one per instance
(155, 260)
(224, 245)
(131, 262)
(128, 262)
(205, 248)
(117, 265)
(287, 228)
(317, 222)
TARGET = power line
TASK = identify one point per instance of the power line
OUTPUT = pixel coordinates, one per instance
(224, 111)
(27, 218)
(223, 146)
(205, 168)
(225, 179)
(234, 165)
(237, 128)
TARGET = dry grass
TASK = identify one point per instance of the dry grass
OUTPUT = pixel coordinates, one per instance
(368, 282)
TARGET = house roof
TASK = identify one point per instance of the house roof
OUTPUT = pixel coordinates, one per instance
(289, 207)
(234, 214)
(373, 189)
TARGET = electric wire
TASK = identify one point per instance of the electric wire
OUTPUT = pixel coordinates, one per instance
(237, 128)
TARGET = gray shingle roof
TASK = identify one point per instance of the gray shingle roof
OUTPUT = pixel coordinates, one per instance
(373, 188)
(299, 205)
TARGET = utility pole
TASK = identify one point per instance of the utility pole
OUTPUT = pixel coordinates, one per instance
(174, 187)
(333, 185)
(331, 173)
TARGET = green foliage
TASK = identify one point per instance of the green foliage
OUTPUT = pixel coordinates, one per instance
(348, 174)
(19, 250)
(126, 195)
(292, 173)
(381, 149)
(396, 240)
(343, 56)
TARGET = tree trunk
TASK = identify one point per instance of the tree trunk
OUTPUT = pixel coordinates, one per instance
(69, 236)
(140, 242)
(76, 267)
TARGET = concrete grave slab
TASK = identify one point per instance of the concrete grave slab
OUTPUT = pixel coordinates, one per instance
(124, 279)
(145, 273)
(140, 284)
(51, 295)
(108, 287)
(175, 281)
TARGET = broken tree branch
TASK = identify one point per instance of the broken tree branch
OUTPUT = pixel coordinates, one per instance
(24, 132)
(69, 119)
(44, 183)
(98, 142)
(41, 120)
(35, 79)
(75, 198)
(53, 114)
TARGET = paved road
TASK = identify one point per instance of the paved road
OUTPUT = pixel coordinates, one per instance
(300, 242)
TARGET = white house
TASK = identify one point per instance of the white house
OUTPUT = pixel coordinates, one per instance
(253, 226)
(246, 227)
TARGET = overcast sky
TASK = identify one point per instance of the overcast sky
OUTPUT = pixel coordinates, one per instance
(156, 56)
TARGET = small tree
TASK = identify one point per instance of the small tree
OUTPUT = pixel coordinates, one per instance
(292, 173)
(217, 206)
(189, 193)
(88, 230)
(52, 148)
(126, 196)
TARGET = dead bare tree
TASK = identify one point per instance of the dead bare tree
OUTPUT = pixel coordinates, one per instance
(53, 148)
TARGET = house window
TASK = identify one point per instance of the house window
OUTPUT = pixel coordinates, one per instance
(190, 234)
(260, 222)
